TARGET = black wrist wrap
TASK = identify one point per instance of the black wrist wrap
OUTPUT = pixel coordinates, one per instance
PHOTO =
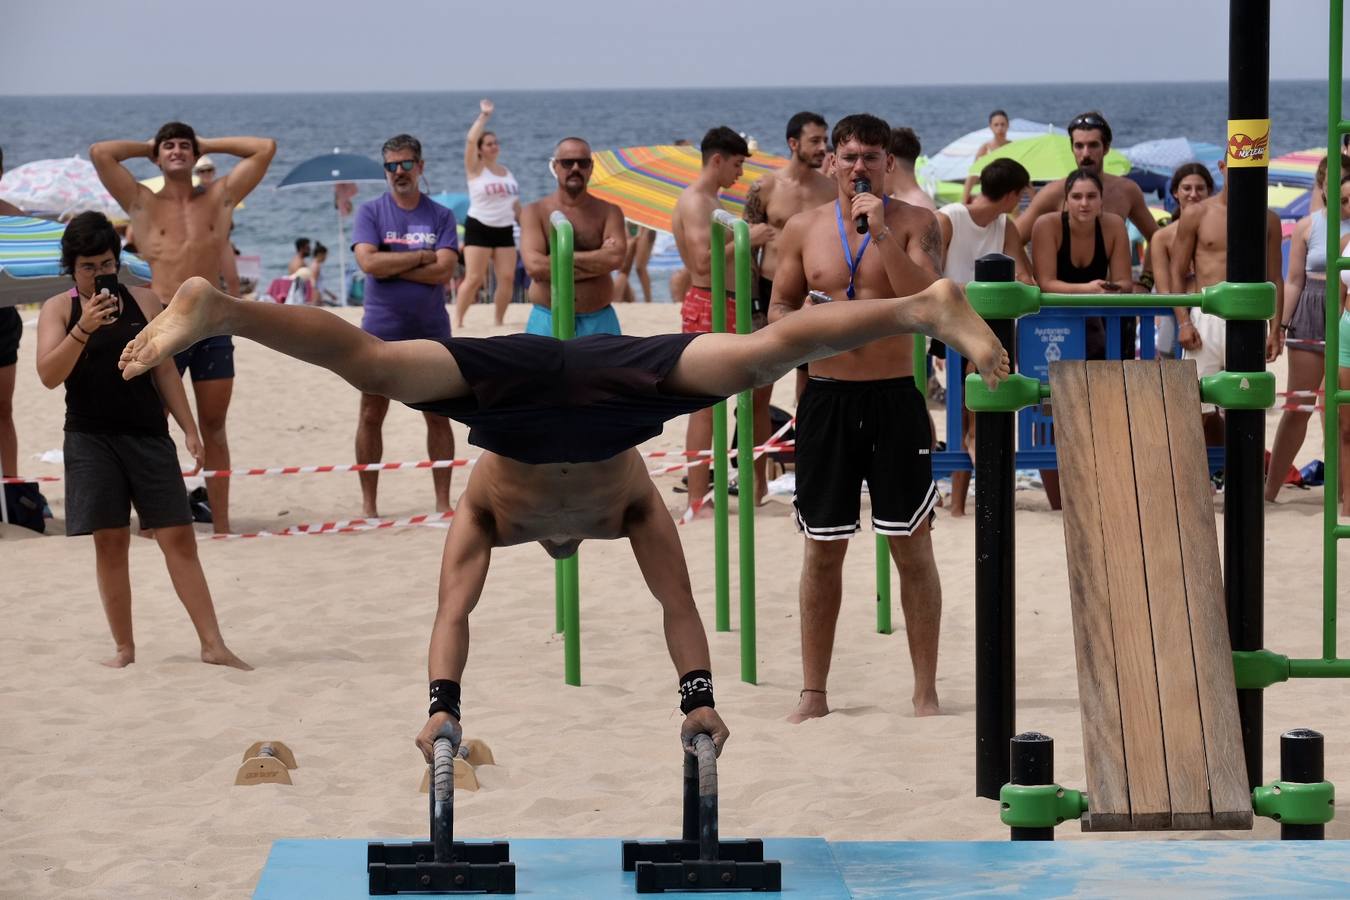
(445, 698)
(696, 690)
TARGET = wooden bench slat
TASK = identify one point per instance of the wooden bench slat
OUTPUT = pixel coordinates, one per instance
(1103, 740)
(1230, 796)
(1136, 670)
(1183, 740)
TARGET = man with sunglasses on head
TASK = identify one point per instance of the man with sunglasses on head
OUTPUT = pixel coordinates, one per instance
(183, 230)
(408, 246)
(1090, 138)
(599, 243)
(861, 415)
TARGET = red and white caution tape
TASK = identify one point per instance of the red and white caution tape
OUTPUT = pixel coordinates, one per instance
(348, 467)
(768, 446)
(344, 526)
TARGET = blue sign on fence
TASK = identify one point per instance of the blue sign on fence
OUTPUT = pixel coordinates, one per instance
(1042, 339)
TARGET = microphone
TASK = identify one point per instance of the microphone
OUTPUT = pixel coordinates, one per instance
(861, 186)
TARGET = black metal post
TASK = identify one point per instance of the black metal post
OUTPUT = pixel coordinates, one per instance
(1244, 430)
(1301, 763)
(994, 543)
(689, 831)
(1031, 758)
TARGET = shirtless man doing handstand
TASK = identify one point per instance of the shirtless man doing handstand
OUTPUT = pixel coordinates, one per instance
(558, 421)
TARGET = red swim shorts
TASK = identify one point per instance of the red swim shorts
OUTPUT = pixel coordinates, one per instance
(696, 312)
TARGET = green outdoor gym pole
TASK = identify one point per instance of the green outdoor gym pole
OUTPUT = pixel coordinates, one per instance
(567, 577)
(745, 467)
(1334, 397)
(721, 553)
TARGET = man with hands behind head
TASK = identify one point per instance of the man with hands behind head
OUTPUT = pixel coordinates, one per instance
(183, 230)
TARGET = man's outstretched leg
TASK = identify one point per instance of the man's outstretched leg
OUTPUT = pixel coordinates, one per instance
(407, 371)
(725, 364)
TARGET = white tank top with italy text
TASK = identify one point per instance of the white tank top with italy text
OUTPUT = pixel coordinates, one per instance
(492, 198)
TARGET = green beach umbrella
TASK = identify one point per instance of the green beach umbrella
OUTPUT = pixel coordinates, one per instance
(1047, 158)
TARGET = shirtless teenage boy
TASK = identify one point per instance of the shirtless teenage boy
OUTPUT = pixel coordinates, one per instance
(182, 231)
(724, 152)
(599, 243)
(558, 465)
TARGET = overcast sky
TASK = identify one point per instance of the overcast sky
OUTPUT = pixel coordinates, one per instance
(274, 46)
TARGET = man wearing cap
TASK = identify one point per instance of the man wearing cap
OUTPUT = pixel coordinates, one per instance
(183, 230)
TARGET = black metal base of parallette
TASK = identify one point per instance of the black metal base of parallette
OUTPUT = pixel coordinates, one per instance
(675, 851)
(479, 868)
(708, 875)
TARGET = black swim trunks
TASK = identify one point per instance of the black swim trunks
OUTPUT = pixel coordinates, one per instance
(539, 400)
(11, 330)
(211, 359)
(848, 431)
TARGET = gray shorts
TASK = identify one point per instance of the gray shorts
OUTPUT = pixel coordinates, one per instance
(107, 474)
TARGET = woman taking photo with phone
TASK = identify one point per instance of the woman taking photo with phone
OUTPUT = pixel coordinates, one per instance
(489, 227)
(118, 452)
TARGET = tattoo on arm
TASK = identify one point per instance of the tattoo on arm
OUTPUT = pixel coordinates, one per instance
(754, 206)
(931, 243)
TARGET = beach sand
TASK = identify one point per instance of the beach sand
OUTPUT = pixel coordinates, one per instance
(120, 783)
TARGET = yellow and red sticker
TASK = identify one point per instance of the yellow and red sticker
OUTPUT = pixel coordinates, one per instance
(1248, 143)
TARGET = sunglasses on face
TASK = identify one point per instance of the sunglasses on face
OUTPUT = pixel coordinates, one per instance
(583, 164)
(406, 165)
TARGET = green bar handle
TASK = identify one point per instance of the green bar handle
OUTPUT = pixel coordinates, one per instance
(1017, 392)
(721, 551)
(566, 578)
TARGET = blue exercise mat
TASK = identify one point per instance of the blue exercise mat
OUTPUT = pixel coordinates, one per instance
(814, 868)
(586, 869)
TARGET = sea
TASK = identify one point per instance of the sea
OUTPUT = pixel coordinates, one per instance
(529, 123)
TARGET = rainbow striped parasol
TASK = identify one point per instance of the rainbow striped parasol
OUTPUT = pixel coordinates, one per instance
(30, 261)
(645, 182)
(1298, 169)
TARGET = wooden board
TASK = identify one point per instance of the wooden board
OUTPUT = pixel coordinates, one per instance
(1136, 669)
(1099, 703)
(1230, 797)
(1183, 740)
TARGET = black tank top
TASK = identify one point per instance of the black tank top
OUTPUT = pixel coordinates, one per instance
(1100, 267)
(98, 400)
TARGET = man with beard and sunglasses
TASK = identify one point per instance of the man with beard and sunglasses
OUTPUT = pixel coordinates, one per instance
(409, 248)
(599, 241)
(861, 415)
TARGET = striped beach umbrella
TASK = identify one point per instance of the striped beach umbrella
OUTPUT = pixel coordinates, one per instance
(30, 261)
(1298, 169)
(645, 182)
(59, 189)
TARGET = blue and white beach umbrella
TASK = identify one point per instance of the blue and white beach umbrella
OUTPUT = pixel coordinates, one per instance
(30, 261)
(333, 169)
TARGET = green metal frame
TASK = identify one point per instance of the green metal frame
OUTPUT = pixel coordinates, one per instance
(1040, 805)
(1295, 804)
(722, 223)
(566, 572)
(1332, 530)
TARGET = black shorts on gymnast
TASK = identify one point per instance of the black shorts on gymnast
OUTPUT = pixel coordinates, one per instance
(539, 400)
(848, 431)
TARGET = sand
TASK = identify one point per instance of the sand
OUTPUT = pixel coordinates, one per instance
(120, 783)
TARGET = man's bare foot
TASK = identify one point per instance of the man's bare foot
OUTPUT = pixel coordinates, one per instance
(222, 656)
(368, 511)
(697, 511)
(123, 659)
(195, 313)
(810, 705)
(954, 322)
(927, 706)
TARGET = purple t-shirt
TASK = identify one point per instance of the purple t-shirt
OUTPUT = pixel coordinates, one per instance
(397, 309)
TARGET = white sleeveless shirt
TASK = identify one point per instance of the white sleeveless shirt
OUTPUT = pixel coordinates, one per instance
(969, 242)
(492, 198)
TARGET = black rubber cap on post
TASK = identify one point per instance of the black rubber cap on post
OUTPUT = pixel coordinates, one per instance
(1031, 761)
(1301, 758)
(995, 267)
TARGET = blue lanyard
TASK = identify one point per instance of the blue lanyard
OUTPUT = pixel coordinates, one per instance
(848, 254)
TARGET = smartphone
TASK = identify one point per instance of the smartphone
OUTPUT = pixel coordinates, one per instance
(109, 283)
(819, 297)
